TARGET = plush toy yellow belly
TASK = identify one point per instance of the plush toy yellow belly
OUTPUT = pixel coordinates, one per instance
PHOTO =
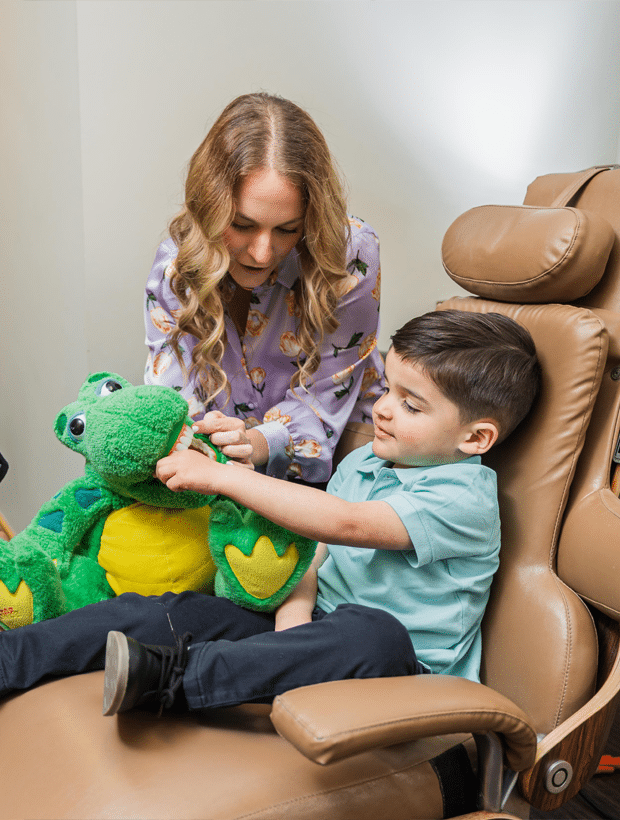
(152, 550)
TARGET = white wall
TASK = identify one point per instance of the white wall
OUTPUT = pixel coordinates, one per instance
(43, 355)
(429, 107)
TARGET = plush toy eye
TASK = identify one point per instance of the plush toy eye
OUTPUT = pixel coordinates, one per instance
(77, 427)
(109, 386)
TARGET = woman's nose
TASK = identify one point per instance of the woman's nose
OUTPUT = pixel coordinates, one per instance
(260, 249)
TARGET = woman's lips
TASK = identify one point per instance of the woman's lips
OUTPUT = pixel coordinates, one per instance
(251, 269)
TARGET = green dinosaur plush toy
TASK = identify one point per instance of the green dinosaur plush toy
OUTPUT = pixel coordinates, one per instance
(118, 529)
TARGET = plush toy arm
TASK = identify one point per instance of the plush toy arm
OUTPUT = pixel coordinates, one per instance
(61, 523)
(35, 562)
(259, 563)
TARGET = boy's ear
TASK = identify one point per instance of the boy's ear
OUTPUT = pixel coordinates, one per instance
(479, 437)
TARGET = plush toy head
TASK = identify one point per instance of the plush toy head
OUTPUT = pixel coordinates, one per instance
(122, 431)
(118, 529)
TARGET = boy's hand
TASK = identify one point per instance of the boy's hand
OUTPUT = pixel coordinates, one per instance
(288, 621)
(190, 470)
(298, 607)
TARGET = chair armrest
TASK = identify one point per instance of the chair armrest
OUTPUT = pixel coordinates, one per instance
(332, 721)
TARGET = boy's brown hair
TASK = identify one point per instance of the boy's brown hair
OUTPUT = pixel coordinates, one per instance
(485, 363)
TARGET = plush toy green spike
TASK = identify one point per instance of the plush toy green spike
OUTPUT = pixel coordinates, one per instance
(118, 529)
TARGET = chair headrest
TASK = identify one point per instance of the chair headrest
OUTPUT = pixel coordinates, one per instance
(527, 254)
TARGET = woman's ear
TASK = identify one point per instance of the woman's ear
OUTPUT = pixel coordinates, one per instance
(479, 437)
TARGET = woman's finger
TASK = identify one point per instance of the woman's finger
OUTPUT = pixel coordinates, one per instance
(238, 451)
(212, 421)
(227, 437)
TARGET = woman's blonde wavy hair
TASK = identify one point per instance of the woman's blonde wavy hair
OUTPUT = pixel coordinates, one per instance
(256, 131)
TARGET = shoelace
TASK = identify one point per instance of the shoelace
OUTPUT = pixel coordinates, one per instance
(173, 666)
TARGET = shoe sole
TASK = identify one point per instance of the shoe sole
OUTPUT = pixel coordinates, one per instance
(116, 673)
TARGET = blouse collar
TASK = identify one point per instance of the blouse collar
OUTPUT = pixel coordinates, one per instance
(289, 271)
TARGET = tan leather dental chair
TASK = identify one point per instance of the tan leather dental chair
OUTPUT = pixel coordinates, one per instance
(399, 748)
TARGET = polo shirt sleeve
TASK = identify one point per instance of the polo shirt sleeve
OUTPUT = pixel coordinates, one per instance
(449, 513)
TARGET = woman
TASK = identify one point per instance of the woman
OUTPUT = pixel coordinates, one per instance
(263, 306)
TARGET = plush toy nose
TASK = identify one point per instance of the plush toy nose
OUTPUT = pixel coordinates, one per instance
(130, 430)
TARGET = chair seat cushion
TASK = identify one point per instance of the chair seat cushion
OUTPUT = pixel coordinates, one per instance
(62, 759)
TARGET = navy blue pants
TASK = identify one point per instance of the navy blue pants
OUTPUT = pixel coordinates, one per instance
(235, 655)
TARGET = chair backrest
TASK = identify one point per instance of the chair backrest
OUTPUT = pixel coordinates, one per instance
(589, 554)
(540, 646)
(560, 535)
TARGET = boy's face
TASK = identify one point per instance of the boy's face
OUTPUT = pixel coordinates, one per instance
(415, 424)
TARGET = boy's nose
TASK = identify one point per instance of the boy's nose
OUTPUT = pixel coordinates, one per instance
(382, 407)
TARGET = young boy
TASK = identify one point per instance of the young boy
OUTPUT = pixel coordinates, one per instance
(409, 532)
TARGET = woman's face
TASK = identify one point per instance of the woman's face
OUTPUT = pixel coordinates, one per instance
(267, 224)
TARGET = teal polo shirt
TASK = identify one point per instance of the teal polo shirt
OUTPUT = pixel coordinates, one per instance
(439, 589)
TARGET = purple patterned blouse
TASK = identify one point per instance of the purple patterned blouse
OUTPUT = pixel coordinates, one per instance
(301, 428)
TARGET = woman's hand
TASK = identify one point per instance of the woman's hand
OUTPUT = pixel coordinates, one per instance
(230, 435)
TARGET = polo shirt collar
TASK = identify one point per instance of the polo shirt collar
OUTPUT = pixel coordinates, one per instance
(373, 465)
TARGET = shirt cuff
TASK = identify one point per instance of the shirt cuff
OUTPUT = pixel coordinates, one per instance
(278, 439)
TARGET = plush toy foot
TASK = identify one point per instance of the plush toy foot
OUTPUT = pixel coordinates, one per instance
(259, 563)
(16, 609)
(30, 588)
(137, 674)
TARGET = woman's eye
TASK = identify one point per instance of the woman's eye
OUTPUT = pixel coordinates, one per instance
(286, 231)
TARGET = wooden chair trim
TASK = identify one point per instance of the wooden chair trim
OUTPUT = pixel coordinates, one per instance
(580, 739)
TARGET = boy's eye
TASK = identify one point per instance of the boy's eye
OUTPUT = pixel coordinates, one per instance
(409, 408)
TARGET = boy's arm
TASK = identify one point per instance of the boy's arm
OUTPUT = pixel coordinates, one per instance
(297, 608)
(304, 510)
